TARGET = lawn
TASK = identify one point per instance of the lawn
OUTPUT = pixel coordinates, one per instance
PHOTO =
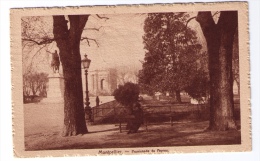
(43, 126)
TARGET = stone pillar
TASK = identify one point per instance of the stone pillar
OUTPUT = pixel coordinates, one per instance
(55, 93)
(96, 83)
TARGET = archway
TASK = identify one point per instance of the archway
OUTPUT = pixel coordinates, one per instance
(102, 84)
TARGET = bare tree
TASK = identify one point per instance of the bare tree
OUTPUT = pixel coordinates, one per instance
(121, 77)
(35, 83)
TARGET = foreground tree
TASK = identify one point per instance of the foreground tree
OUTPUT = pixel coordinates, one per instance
(171, 53)
(219, 37)
(68, 42)
(66, 31)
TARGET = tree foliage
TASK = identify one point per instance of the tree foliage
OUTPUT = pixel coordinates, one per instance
(199, 86)
(35, 84)
(127, 94)
(172, 52)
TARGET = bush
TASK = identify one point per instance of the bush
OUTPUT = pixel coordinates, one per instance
(199, 87)
(127, 94)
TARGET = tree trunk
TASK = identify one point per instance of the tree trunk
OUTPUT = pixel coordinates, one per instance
(219, 39)
(236, 61)
(33, 90)
(68, 42)
(238, 88)
(178, 96)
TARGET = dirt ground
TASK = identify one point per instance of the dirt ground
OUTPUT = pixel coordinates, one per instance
(43, 125)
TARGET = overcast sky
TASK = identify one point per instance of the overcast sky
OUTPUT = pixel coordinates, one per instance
(119, 41)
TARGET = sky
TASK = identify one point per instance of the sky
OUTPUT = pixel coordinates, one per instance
(119, 41)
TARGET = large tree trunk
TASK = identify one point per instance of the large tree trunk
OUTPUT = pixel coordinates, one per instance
(68, 42)
(236, 61)
(219, 39)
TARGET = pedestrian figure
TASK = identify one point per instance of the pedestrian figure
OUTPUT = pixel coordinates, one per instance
(97, 101)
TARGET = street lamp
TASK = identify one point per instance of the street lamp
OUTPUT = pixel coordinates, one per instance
(86, 63)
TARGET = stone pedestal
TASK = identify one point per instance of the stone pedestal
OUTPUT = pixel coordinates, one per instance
(55, 93)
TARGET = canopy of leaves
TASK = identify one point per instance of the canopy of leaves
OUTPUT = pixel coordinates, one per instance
(199, 86)
(172, 52)
(127, 94)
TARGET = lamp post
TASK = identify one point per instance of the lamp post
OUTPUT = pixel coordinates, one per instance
(86, 63)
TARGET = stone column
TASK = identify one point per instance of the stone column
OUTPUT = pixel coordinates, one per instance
(96, 82)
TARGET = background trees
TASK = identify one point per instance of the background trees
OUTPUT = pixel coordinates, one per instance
(172, 53)
(35, 84)
(171, 61)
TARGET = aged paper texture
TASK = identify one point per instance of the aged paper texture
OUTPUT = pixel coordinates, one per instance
(130, 79)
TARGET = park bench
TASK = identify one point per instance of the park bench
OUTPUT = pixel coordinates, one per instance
(166, 114)
(123, 120)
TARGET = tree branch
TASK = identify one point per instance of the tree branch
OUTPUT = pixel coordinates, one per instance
(215, 13)
(206, 22)
(190, 20)
(89, 39)
(82, 21)
(44, 41)
(96, 29)
(196, 17)
(106, 18)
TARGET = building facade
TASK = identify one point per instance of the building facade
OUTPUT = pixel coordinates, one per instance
(102, 82)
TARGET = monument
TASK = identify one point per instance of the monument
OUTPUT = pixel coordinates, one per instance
(55, 91)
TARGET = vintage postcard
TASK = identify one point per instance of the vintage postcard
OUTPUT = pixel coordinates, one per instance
(130, 79)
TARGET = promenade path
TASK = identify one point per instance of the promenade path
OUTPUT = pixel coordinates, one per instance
(43, 125)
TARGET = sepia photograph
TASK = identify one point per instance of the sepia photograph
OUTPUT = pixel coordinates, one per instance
(129, 80)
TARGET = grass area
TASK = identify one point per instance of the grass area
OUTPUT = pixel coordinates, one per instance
(44, 122)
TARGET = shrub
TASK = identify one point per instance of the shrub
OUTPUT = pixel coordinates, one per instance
(127, 94)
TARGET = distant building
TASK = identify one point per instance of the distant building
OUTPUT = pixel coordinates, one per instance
(102, 82)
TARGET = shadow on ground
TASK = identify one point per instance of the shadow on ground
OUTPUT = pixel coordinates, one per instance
(107, 136)
(44, 133)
